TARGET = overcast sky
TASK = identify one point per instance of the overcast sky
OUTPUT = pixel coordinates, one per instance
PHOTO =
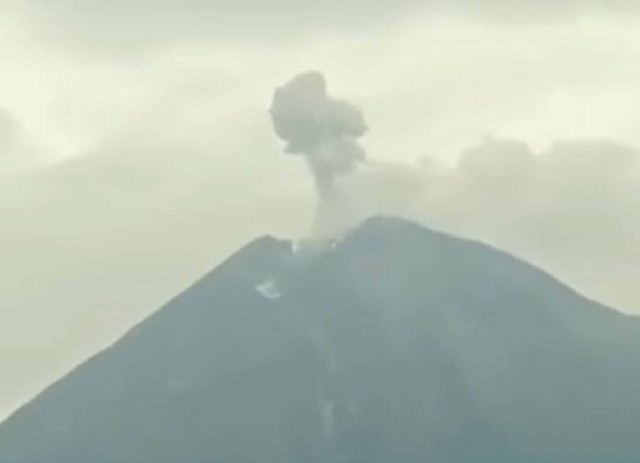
(136, 150)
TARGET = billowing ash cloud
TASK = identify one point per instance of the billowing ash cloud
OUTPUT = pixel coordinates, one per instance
(325, 131)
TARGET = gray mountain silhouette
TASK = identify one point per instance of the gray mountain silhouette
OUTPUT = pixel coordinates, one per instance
(396, 344)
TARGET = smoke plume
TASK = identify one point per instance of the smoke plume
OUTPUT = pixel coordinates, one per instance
(324, 130)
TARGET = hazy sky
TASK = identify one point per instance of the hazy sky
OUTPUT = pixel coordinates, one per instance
(136, 150)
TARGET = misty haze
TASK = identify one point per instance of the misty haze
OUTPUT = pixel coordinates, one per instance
(319, 232)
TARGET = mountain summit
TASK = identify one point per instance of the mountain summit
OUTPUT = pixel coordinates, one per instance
(394, 344)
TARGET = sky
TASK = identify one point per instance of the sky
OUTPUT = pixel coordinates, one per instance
(136, 150)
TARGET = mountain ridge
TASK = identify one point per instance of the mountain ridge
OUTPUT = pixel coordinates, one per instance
(392, 343)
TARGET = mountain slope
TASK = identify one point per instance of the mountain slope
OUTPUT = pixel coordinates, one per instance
(396, 344)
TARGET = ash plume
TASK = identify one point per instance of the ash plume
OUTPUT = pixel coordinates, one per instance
(325, 131)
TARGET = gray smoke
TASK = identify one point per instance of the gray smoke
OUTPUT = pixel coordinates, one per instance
(325, 131)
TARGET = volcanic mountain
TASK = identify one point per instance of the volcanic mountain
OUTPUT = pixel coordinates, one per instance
(394, 344)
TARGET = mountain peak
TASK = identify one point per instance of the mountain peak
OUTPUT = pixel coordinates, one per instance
(390, 343)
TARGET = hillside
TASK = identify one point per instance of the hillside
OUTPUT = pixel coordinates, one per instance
(393, 344)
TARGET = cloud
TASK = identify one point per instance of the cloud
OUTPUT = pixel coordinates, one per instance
(121, 25)
(572, 209)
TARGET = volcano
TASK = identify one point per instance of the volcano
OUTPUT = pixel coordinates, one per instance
(392, 344)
